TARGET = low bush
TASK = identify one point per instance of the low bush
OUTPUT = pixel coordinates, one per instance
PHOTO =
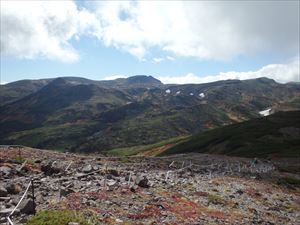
(55, 217)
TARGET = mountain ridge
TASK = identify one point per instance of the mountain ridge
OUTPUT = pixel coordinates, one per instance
(83, 115)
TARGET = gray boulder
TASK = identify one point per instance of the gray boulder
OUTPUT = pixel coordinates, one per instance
(5, 170)
(6, 212)
(65, 191)
(142, 181)
(87, 169)
(13, 188)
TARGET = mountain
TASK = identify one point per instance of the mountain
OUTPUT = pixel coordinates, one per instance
(139, 81)
(16, 90)
(85, 115)
(271, 136)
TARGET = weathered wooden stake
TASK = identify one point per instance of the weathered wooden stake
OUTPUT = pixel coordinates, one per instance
(171, 164)
(129, 179)
(167, 176)
(33, 197)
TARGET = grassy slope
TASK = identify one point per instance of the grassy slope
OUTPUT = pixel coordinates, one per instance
(143, 148)
(255, 138)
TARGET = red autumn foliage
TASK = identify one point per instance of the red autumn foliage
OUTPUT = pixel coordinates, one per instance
(149, 211)
(216, 214)
(201, 193)
(74, 201)
(97, 195)
(183, 208)
(252, 192)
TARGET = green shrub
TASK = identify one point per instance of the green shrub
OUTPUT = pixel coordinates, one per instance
(215, 199)
(55, 217)
(21, 160)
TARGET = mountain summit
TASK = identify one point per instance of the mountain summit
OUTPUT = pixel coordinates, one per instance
(143, 79)
(138, 81)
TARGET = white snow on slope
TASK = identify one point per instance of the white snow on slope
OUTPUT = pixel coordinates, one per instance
(266, 112)
(202, 95)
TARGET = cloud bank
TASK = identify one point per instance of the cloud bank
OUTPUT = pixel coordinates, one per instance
(207, 30)
(214, 30)
(282, 73)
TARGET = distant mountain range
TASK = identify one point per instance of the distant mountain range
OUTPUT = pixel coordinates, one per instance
(77, 114)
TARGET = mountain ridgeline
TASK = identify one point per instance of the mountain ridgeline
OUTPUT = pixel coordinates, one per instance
(77, 114)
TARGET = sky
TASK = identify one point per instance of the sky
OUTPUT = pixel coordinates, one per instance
(174, 41)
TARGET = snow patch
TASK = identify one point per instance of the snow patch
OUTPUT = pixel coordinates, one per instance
(266, 112)
(178, 92)
(191, 94)
(202, 95)
(168, 91)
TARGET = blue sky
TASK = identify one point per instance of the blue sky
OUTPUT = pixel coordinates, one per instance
(100, 40)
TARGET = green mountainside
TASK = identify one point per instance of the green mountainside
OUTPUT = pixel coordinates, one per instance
(78, 114)
(274, 135)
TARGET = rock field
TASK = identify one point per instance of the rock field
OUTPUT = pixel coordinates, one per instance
(179, 189)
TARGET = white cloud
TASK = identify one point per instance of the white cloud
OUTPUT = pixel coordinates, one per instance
(113, 77)
(31, 29)
(280, 72)
(161, 59)
(158, 60)
(170, 58)
(210, 30)
(204, 29)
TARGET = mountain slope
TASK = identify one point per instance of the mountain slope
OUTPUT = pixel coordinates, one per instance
(84, 115)
(275, 135)
(16, 90)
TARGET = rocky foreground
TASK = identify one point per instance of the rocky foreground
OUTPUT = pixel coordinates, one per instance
(180, 189)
